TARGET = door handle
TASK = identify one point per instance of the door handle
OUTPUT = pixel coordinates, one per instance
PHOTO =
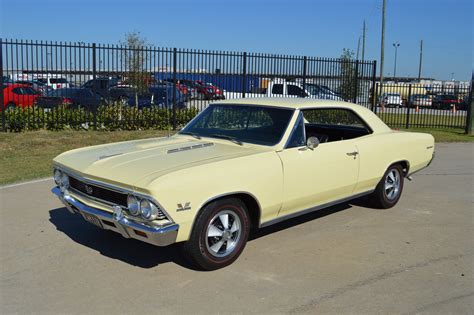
(354, 154)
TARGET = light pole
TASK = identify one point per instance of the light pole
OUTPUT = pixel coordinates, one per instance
(396, 45)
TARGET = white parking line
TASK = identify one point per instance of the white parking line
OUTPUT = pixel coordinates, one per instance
(26, 183)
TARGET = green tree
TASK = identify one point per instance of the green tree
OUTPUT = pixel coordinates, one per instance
(347, 88)
(135, 61)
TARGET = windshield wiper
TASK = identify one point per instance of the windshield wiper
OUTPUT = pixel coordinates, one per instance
(234, 140)
(190, 133)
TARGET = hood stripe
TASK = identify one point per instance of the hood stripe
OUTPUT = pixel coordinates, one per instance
(196, 146)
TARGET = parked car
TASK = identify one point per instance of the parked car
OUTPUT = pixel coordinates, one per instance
(240, 164)
(285, 88)
(391, 100)
(74, 97)
(160, 96)
(212, 92)
(19, 95)
(420, 100)
(446, 101)
(54, 82)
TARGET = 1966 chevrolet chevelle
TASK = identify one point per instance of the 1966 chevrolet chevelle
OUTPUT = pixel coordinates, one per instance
(239, 164)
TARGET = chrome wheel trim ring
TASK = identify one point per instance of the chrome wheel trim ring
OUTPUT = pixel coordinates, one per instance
(223, 233)
(392, 184)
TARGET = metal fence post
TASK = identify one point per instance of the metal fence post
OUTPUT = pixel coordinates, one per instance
(470, 112)
(244, 74)
(356, 82)
(374, 85)
(407, 123)
(94, 75)
(175, 59)
(305, 63)
(4, 127)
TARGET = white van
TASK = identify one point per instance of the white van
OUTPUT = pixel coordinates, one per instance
(54, 82)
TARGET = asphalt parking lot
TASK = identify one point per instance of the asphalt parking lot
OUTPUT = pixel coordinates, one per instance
(414, 258)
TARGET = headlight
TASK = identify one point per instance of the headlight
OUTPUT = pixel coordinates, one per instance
(133, 205)
(64, 182)
(57, 176)
(148, 210)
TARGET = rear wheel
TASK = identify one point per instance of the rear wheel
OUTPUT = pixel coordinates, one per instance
(219, 235)
(389, 189)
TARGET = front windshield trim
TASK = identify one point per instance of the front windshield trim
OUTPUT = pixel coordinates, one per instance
(183, 131)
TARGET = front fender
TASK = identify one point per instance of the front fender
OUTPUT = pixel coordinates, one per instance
(183, 193)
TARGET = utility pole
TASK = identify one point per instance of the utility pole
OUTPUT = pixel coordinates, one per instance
(382, 46)
(396, 45)
(363, 42)
(358, 48)
(421, 59)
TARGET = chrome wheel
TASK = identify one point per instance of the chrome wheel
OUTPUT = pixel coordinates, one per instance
(223, 233)
(392, 184)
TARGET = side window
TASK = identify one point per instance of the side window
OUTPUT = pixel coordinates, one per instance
(277, 89)
(294, 90)
(17, 91)
(29, 91)
(335, 117)
(297, 137)
(334, 124)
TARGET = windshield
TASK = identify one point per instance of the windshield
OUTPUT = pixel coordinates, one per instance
(253, 124)
(314, 89)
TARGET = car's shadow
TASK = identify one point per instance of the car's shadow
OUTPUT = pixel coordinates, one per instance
(144, 255)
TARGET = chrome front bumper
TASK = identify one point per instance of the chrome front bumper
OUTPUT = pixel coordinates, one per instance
(156, 235)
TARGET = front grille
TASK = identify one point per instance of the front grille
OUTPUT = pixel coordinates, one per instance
(98, 192)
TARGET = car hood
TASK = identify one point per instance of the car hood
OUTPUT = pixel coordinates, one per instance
(126, 163)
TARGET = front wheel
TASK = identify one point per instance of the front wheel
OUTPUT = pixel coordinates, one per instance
(219, 235)
(389, 189)
(10, 106)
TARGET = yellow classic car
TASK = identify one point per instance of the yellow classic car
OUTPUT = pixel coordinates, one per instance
(239, 164)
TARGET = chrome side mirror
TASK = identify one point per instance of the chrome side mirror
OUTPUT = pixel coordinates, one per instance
(312, 143)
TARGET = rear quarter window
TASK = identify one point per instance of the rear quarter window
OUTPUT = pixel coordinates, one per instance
(336, 116)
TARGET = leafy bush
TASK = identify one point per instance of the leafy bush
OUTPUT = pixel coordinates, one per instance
(108, 117)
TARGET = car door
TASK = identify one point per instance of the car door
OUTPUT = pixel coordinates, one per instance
(30, 95)
(319, 176)
(17, 96)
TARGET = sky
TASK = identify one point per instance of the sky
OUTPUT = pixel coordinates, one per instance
(297, 27)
